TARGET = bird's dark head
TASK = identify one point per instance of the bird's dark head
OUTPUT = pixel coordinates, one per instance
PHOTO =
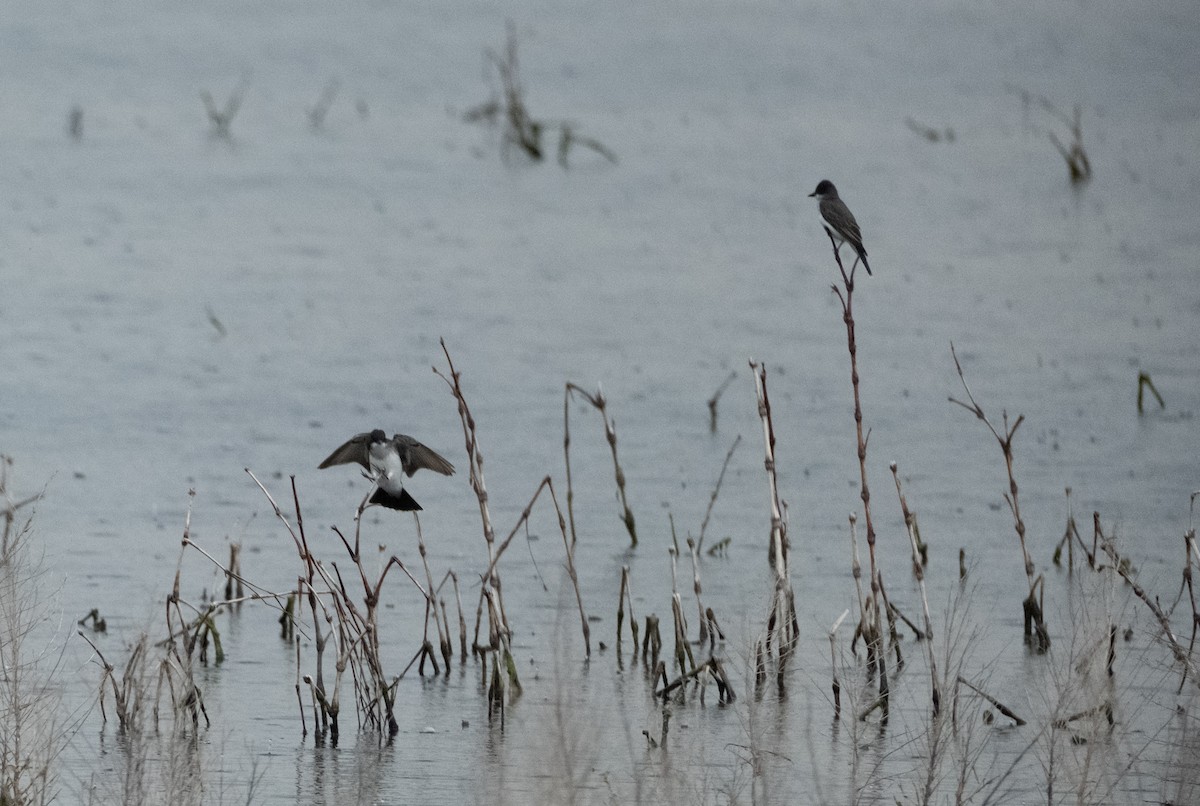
(825, 190)
(378, 435)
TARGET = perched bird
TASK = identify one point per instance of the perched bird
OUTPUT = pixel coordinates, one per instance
(839, 221)
(387, 462)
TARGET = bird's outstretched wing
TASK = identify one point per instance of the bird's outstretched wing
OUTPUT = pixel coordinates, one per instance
(414, 456)
(356, 449)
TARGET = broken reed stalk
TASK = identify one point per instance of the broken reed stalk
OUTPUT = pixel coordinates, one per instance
(711, 669)
(696, 590)
(491, 581)
(856, 570)
(999, 706)
(712, 499)
(625, 597)
(1190, 551)
(569, 548)
(683, 649)
(893, 613)
(1070, 537)
(919, 573)
(1036, 634)
(522, 129)
(845, 295)
(1124, 568)
(715, 399)
(222, 119)
(474, 455)
(837, 685)
(233, 574)
(781, 620)
(430, 610)
(1075, 156)
(651, 643)
(318, 111)
(600, 403)
(187, 699)
(1144, 382)
(462, 621)
(714, 630)
(125, 696)
(9, 507)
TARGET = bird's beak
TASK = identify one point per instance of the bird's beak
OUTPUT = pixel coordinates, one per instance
(812, 195)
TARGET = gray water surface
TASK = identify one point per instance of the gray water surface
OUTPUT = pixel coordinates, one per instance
(176, 307)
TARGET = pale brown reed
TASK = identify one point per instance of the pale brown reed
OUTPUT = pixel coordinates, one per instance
(918, 568)
(1036, 634)
(873, 631)
(600, 403)
(782, 626)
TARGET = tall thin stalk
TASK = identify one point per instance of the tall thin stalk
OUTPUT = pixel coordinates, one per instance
(782, 626)
(873, 632)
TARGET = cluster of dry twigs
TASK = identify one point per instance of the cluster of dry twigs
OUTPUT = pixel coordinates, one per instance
(519, 128)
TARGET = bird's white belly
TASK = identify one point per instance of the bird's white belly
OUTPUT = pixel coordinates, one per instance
(389, 472)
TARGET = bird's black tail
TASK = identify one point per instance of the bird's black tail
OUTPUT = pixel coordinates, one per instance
(402, 502)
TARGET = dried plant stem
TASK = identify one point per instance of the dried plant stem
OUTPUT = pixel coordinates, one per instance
(624, 597)
(696, 590)
(999, 706)
(781, 621)
(919, 573)
(1190, 552)
(189, 699)
(522, 129)
(873, 634)
(222, 119)
(1124, 569)
(600, 403)
(1144, 383)
(683, 650)
(1036, 633)
(462, 622)
(499, 631)
(569, 548)
(651, 642)
(856, 570)
(474, 455)
(9, 507)
(715, 399)
(1070, 537)
(318, 111)
(123, 691)
(714, 669)
(431, 608)
(837, 685)
(712, 499)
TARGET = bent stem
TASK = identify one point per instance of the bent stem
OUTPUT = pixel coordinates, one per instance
(1036, 633)
(600, 403)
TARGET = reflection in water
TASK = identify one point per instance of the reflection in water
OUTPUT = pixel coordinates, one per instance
(359, 774)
